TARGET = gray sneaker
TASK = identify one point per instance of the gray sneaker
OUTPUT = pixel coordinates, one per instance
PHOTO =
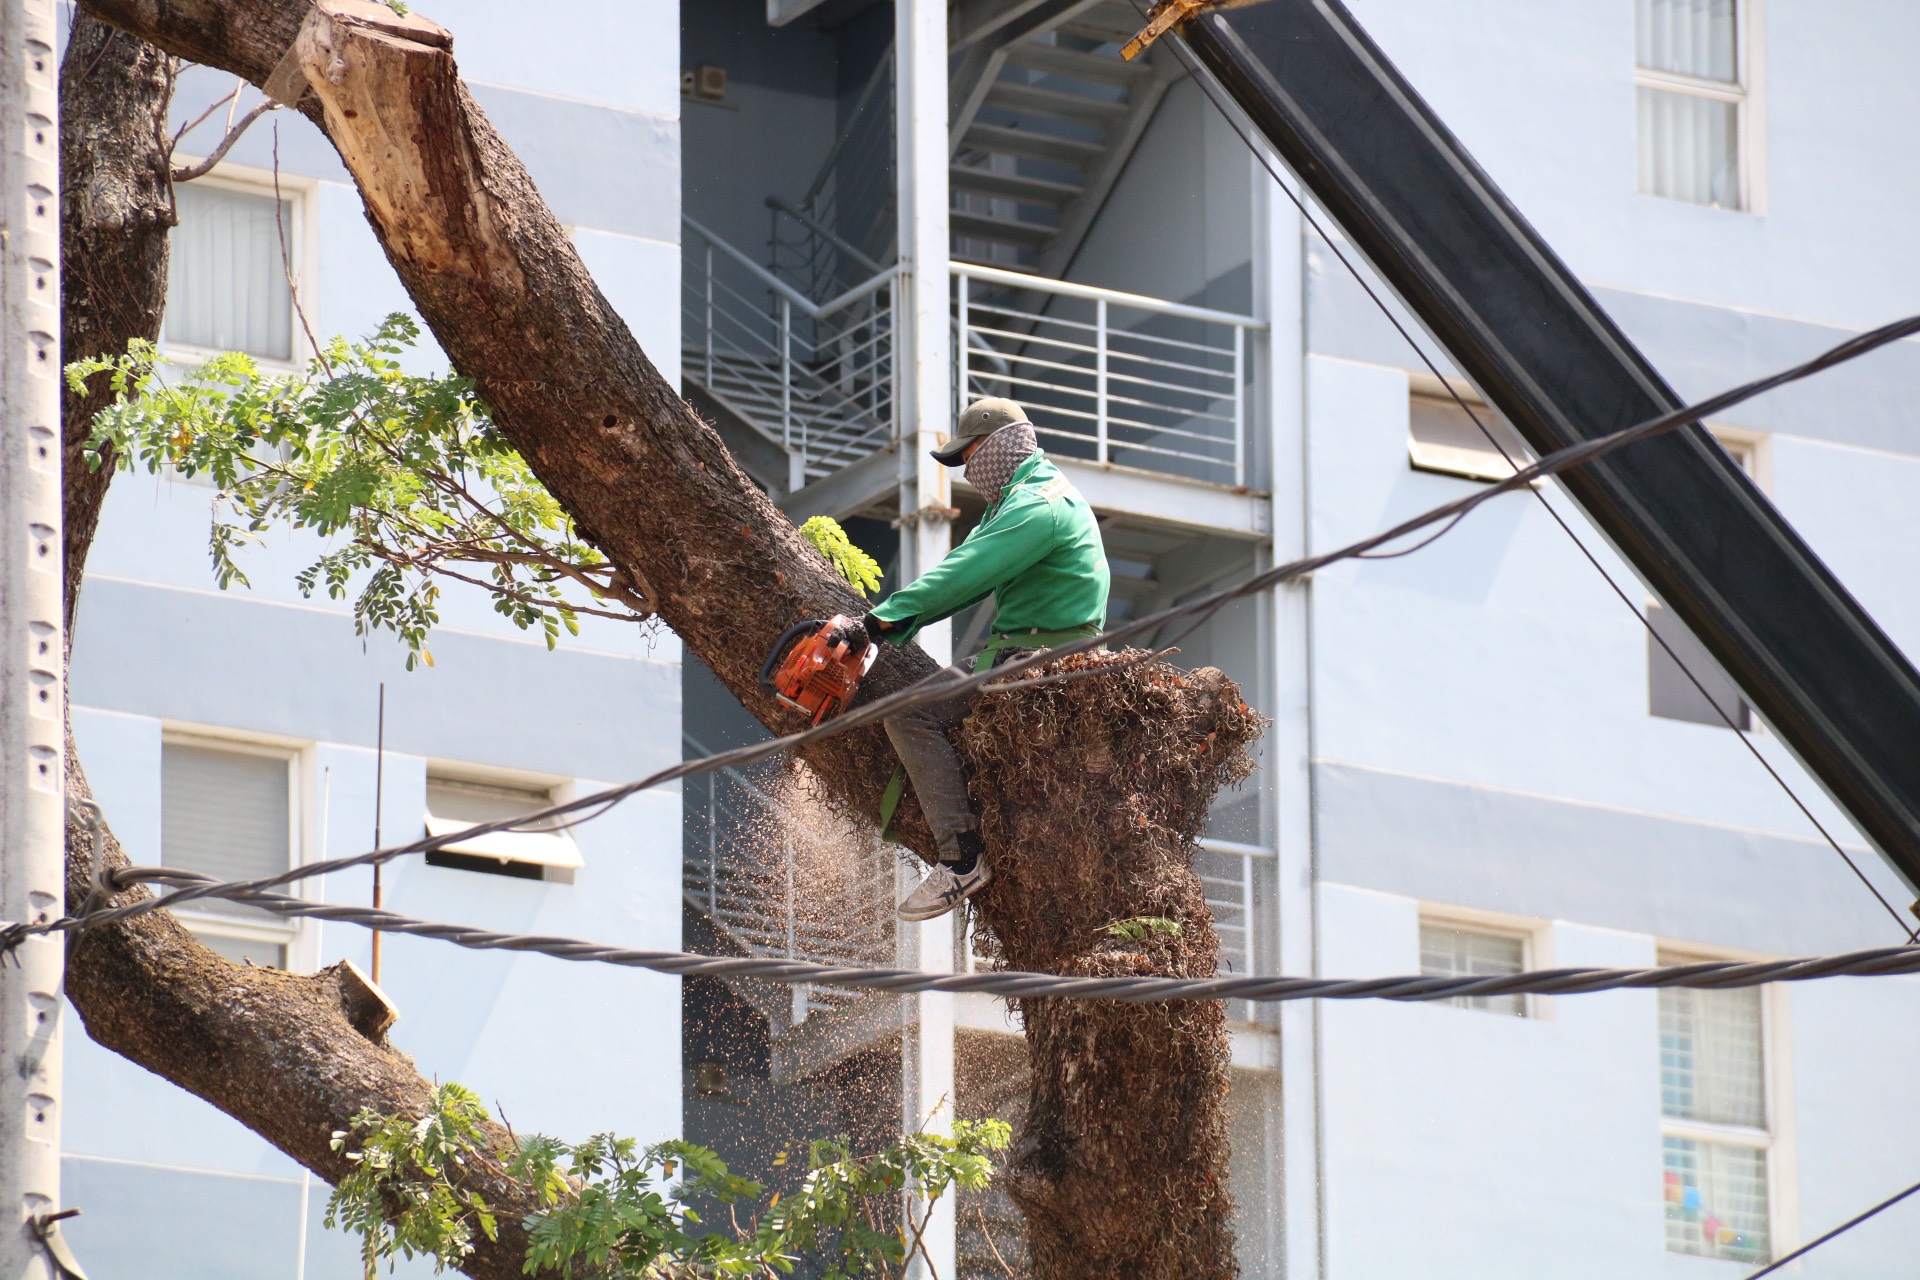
(942, 891)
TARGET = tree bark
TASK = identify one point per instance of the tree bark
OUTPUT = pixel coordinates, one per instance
(496, 278)
(116, 205)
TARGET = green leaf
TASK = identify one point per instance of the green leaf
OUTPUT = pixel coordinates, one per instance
(861, 570)
(405, 475)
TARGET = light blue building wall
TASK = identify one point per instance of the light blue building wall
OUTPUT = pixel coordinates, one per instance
(1481, 747)
(172, 1189)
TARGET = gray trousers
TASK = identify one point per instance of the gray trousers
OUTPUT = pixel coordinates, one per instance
(919, 737)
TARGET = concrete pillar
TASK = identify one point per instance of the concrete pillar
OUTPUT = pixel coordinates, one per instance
(926, 409)
(1280, 284)
(32, 791)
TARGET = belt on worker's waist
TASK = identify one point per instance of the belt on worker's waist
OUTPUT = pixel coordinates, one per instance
(1031, 638)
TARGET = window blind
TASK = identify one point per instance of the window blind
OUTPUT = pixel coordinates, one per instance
(1710, 1056)
(1689, 37)
(224, 813)
(1689, 148)
(227, 282)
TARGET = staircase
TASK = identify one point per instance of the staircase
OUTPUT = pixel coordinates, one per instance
(1045, 117)
(826, 431)
(812, 378)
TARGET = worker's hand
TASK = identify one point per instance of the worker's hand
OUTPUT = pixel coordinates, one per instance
(877, 627)
(853, 633)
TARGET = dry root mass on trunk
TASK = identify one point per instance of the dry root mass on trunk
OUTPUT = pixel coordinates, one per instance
(1092, 795)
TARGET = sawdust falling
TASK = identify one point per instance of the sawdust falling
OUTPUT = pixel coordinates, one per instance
(1092, 796)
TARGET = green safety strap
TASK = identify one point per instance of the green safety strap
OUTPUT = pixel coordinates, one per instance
(897, 785)
(890, 800)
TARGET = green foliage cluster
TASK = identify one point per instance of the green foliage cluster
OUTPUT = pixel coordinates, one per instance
(860, 570)
(402, 1195)
(403, 477)
(1139, 928)
(613, 1210)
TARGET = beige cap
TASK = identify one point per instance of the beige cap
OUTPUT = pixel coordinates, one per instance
(982, 418)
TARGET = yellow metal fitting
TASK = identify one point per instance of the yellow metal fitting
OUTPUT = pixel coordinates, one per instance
(1167, 14)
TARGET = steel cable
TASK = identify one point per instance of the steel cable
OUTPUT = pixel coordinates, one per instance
(1015, 984)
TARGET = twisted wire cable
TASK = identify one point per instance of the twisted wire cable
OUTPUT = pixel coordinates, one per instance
(950, 682)
(1016, 984)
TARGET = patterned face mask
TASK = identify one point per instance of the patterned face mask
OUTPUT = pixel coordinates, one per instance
(994, 462)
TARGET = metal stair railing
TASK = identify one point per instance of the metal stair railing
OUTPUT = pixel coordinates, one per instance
(816, 377)
(813, 257)
(1238, 882)
(730, 875)
(851, 197)
(1115, 377)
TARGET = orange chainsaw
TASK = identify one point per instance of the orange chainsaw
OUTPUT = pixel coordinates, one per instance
(810, 675)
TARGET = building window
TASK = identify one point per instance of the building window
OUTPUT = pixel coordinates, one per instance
(227, 282)
(1692, 85)
(1449, 950)
(1671, 695)
(1715, 1137)
(1442, 438)
(456, 802)
(226, 810)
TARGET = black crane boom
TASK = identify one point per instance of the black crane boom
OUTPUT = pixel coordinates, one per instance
(1518, 323)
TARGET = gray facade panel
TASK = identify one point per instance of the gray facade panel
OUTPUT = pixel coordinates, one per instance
(596, 166)
(610, 170)
(1460, 845)
(1700, 349)
(176, 1224)
(486, 701)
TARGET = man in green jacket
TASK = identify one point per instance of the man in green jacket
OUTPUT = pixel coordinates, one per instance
(1037, 552)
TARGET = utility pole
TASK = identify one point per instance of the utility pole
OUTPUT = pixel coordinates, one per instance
(32, 648)
(925, 406)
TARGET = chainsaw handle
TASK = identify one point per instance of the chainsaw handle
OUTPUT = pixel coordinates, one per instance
(780, 647)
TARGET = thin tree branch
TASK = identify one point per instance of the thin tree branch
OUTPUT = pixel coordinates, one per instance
(190, 172)
(431, 565)
(201, 119)
(994, 1249)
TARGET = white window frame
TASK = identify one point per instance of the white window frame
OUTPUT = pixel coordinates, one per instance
(1777, 1140)
(556, 853)
(1751, 449)
(1747, 94)
(1536, 948)
(291, 933)
(1459, 463)
(303, 247)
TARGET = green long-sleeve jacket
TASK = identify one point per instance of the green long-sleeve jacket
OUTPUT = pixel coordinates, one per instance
(1037, 552)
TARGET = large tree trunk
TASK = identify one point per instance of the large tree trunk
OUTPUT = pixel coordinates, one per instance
(116, 204)
(1122, 1166)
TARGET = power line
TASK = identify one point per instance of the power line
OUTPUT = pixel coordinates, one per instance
(1212, 89)
(1840, 1230)
(1013, 984)
(949, 682)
